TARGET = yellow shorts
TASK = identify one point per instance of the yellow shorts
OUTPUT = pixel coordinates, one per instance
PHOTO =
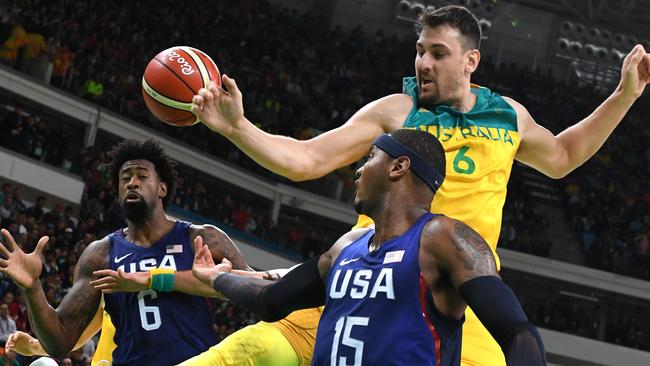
(104, 353)
(479, 348)
(299, 328)
(260, 344)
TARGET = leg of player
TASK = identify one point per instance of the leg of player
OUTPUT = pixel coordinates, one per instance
(260, 344)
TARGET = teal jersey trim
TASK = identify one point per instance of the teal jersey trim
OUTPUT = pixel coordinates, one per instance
(490, 110)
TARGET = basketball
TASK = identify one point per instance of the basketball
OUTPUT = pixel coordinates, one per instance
(172, 78)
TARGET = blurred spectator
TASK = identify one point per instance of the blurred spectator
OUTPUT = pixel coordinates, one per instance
(6, 210)
(36, 211)
(7, 325)
(6, 191)
(19, 204)
(13, 45)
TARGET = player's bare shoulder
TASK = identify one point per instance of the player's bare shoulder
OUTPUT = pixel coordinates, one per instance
(95, 256)
(394, 109)
(345, 240)
(454, 243)
(220, 244)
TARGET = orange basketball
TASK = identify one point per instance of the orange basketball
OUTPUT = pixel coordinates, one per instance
(172, 78)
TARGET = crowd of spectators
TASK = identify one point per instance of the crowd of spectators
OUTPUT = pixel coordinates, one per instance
(99, 50)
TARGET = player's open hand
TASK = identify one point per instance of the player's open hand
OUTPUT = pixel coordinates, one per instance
(635, 73)
(221, 110)
(24, 269)
(204, 268)
(109, 281)
(22, 343)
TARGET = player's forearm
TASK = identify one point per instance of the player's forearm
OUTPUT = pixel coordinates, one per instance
(282, 155)
(585, 138)
(300, 289)
(185, 282)
(500, 312)
(45, 322)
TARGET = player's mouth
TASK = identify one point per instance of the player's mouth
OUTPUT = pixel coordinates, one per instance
(132, 197)
(426, 83)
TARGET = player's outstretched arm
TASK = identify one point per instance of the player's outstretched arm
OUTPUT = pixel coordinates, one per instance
(26, 345)
(223, 112)
(556, 156)
(58, 330)
(466, 257)
(300, 288)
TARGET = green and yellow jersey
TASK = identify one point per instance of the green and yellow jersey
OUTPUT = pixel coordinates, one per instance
(480, 147)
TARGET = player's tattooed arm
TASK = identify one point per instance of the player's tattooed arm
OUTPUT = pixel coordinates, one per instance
(58, 330)
(221, 246)
(458, 250)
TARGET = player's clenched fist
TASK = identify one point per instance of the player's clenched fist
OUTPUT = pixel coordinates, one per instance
(635, 72)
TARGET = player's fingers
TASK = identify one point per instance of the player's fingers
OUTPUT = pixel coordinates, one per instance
(105, 273)
(198, 244)
(231, 85)
(107, 291)
(627, 58)
(9, 240)
(41, 245)
(103, 281)
(105, 286)
(4, 262)
(205, 94)
(205, 252)
(121, 274)
(645, 63)
(198, 100)
(636, 55)
(4, 251)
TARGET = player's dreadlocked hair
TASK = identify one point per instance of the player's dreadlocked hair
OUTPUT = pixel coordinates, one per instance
(148, 150)
(424, 144)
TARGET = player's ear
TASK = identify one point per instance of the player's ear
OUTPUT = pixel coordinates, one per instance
(473, 58)
(399, 167)
(162, 190)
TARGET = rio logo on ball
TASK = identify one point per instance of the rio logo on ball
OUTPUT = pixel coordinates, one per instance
(186, 68)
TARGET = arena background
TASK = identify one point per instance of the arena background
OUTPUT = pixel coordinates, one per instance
(575, 250)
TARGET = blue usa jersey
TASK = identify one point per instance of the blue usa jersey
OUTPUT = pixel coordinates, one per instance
(154, 328)
(379, 310)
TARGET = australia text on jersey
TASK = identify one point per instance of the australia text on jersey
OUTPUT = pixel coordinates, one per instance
(498, 134)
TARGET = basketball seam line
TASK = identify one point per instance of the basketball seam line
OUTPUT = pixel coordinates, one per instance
(177, 77)
(168, 106)
(166, 96)
(172, 107)
(200, 65)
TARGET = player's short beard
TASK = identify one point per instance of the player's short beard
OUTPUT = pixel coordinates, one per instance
(138, 211)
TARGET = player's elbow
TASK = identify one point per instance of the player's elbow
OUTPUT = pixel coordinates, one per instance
(558, 173)
(303, 171)
(522, 345)
(57, 350)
